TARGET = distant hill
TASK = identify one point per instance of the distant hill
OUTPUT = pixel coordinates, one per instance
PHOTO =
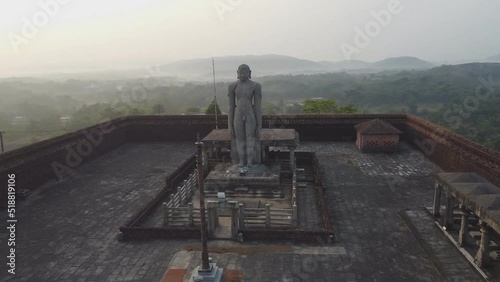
(471, 70)
(402, 63)
(495, 58)
(266, 65)
(226, 66)
(262, 65)
(347, 65)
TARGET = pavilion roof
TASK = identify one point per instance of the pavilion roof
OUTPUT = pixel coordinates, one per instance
(376, 126)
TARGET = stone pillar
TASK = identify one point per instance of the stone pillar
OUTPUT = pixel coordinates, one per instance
(217, 153)
(448, 217)
(235, 219)
(294, 215)
(241, 216)
(292, 158)
(165, 214)
(205, 161)
(266, 154)
(190, 214)
(464, 227)
(483, 254)
(184, 192)
(268, 216)
(437, 199)
(213, 217)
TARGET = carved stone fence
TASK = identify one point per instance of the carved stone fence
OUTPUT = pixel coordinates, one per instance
(184, 192)
(267, 217)
(181, 216)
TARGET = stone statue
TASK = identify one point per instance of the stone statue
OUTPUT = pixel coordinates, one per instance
(245, 118)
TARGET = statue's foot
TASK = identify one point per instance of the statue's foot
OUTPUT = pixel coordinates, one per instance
(250, 164)
(241, 164)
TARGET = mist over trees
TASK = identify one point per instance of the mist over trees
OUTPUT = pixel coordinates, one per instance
(34, 109)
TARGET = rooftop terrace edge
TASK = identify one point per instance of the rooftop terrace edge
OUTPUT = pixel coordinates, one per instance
(33, 164)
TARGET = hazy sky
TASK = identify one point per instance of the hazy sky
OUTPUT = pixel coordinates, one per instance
(113, 34)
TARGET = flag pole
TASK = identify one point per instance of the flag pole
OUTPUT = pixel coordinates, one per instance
(215, 95)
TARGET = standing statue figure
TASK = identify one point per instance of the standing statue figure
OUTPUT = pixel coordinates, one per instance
(245, 118)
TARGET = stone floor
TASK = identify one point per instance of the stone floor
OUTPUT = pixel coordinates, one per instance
(66, 231)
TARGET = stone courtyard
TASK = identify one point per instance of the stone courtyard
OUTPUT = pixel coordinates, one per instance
(67, 230)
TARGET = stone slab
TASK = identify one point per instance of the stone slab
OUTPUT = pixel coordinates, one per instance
(268, 137)
(260, 179)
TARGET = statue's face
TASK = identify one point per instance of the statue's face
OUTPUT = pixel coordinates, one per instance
(244, 73)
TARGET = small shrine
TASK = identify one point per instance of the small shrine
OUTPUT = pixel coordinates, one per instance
(377, 136)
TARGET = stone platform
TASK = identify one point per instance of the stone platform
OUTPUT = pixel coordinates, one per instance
(257, 181)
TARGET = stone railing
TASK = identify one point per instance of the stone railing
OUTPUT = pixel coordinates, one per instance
(267, 217)
(181, 216)
(184, 192)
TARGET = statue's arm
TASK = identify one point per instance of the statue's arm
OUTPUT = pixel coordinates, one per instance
(258, 108)
(232, 105)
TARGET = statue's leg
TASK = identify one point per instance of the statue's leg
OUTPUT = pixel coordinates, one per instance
(239, 130)
(251, 125)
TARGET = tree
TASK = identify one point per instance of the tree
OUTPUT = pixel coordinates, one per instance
(158, 109)
(349, 109)
(192, 109)
(271, 109)
(211, 109)
(295, 108)
(326, 106)
(319, 106)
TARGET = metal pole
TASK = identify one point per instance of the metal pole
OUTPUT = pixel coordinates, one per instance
(199, 164)
(1, 139)
(215, 95)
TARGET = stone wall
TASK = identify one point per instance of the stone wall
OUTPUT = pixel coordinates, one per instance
(53, 159)
(34, 164)
(452, 152)
(377, 142)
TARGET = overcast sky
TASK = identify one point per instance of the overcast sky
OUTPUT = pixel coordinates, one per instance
(116, 34)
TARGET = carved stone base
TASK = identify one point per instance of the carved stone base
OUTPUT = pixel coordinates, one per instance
(257, 181)
(213, 275)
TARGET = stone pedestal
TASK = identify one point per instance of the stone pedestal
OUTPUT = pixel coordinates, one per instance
(214, 274)
(257, 181)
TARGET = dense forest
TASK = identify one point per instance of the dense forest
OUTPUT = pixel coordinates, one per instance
(464, 98)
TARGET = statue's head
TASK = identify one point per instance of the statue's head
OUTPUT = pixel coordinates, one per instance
(244, 72)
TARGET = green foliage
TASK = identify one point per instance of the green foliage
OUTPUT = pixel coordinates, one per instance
(349, 109)
(319, 106)
(436, 94)
(326, 106)
(295, 108)
(211, 109)
(192, 109)
(270, 108)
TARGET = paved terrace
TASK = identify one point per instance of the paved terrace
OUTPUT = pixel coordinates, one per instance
(67, 231)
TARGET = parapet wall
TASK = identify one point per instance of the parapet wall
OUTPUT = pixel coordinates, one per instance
(51, 159)
(452, 152)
